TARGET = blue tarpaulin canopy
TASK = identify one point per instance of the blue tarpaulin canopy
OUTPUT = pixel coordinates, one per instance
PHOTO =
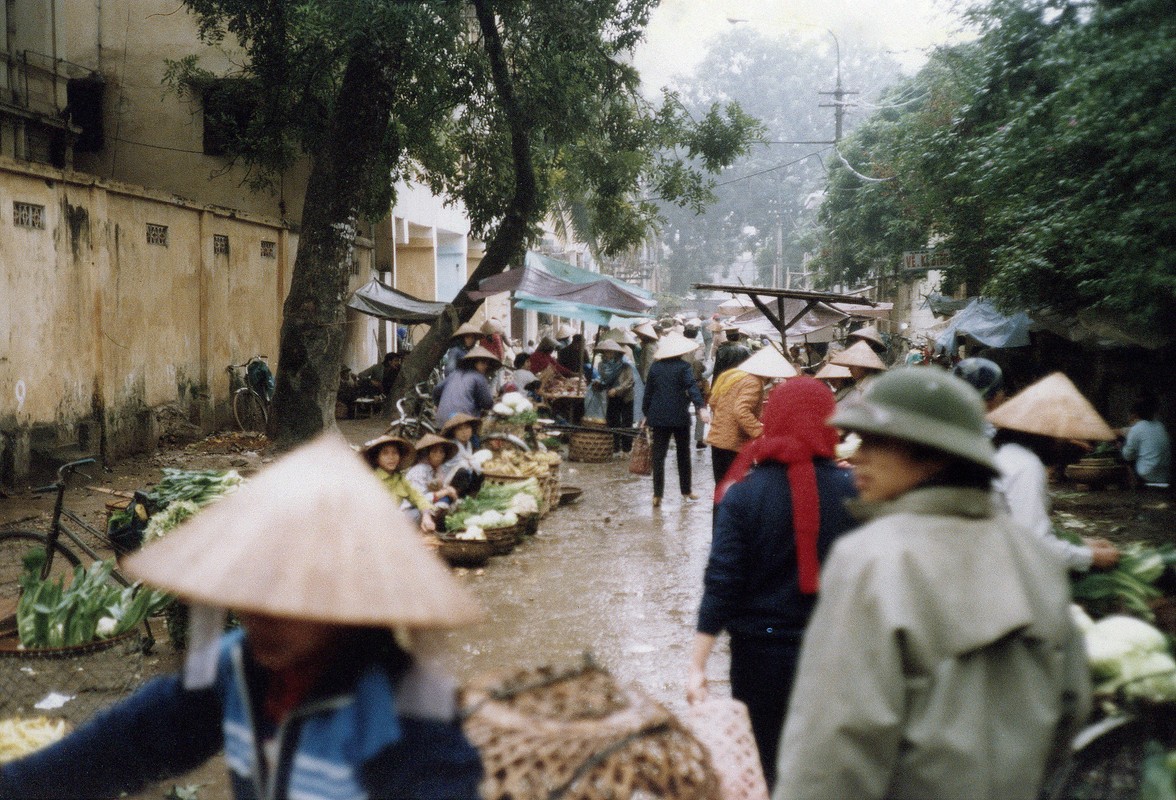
(985, 324)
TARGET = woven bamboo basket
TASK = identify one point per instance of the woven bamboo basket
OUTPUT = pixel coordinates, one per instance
(589, 446)
(503, 540)
(464, 552)
(550, 487)
(578, 735)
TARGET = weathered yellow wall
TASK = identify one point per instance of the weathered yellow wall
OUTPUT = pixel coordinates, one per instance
(101, 330)
(154, 136)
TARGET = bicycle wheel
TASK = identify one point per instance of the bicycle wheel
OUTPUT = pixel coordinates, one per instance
(249, 411)
(14, 545)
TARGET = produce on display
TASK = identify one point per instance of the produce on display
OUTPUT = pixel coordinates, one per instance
(495, 506)
(517, 464)
(91, 608)
(200, 486)
(21, 736)
(1128, 657)
(564, 387)
(514, 408)
(1130, 586)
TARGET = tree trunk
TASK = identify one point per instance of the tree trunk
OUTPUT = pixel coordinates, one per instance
(508, 241)
(314, 314)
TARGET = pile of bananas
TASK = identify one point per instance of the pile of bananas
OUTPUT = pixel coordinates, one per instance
(516, 464)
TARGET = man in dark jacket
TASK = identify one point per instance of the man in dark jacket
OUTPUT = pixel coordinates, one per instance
(669, 391)
(730, 354)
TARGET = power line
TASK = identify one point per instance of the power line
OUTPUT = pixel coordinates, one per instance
(769, 169)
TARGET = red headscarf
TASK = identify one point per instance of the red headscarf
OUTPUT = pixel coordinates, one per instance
(795, 432)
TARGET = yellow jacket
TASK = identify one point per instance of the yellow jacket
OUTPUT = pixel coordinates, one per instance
(736, 401)
(402, 490)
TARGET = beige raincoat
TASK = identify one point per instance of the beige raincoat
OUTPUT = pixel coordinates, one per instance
(940, 663)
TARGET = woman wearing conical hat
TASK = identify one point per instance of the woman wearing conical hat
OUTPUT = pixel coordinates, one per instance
(314, 695)
(467, 391)
(463, 340)
(863, 364)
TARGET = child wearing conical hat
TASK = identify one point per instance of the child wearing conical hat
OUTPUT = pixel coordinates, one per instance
(314, 695)
(390, 457)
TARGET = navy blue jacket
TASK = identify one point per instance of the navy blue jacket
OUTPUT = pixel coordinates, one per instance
(751, 586)
(164, 730)
(669, 391)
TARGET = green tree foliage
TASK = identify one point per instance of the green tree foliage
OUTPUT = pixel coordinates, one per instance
(500, 104)
(1046, 170)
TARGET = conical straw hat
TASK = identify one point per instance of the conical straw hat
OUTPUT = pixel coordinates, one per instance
(830, 372)
(477, 351)
(869, 334)
(314, 536)
(565, 331)
(768, 362)
(1052, 407)
(609, 346)
(372, 447)
(674, 344)
(460, 418)
(467, 329)
(431, 440)
(860, 354)
(646, 329)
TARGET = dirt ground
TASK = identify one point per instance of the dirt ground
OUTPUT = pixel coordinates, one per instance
(608, 574)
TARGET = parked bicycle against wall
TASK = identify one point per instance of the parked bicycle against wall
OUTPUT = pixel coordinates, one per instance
(252, 387)
(60, 558)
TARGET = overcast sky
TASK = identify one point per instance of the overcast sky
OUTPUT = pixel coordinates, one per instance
(679, 29)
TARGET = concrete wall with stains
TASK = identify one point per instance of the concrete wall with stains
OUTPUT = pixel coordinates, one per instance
(107, 334)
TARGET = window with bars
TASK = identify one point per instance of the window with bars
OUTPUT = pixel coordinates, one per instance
(156, 234)
(269, 249)
(220, 244)
(28, 215)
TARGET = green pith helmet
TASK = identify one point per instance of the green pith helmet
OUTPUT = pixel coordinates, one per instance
(924, 405)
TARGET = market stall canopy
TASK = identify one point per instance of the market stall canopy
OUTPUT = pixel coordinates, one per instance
(793, 313)
(879, 311)
(379, 300)
(570, 294)
(985, 324)
(811, 326)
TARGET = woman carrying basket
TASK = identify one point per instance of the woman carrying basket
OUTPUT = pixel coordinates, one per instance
(314, 696)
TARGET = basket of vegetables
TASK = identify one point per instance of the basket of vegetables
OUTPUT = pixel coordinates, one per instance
(465, 548)
(513, 414)
(78, 641)
(495, 511)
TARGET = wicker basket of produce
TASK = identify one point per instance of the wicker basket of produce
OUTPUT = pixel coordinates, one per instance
(1096, 472)
(590, 446)
(550, 486)
(464, 552)
(503, 540)
(577, 734)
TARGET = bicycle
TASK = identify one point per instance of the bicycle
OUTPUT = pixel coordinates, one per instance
(409, 427)
(60, 560)
(252, 393)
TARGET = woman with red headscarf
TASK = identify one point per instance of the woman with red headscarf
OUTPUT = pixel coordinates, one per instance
(779, 511)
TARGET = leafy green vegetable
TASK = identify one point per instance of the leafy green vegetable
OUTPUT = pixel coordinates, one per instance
(1130, 586)
(199, 486)
(49, 614)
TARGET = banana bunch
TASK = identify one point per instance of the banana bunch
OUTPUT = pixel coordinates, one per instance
(516, 464)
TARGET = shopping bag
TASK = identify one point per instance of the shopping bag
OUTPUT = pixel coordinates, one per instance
(723, 727)
(641, 460)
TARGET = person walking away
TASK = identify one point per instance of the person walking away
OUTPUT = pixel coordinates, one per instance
(463, 471)
(427, 476)
(736, 400)
(467, 391)
(698, 366)
(1147, 447)
(730, 353)
(614, 377)
(314, 689)
(464, 339)
(780, 508)
(940, 662)
(1026, 436)
(390, 457)
(669, 392)
(648, 336)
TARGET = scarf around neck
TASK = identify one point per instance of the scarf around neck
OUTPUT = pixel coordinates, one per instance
(795, 432)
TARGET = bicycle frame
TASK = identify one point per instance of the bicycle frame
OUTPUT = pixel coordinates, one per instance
(56, 528)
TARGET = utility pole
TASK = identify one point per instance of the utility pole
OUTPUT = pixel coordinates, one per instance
(838, 104)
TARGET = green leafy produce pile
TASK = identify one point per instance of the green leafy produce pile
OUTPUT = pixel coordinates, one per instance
(50, 614)
(199, 486)
(1128, 588)
(491, 497)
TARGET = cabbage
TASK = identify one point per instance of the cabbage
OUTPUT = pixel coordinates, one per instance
(1122, 649)
(502, 410)
(517, 401)
(1136, 633)
(1151, 676)
(1082, 620)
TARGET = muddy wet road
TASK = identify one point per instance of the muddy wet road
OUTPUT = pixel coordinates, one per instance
(608, 574)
